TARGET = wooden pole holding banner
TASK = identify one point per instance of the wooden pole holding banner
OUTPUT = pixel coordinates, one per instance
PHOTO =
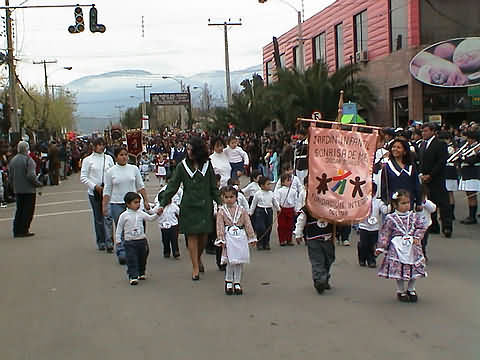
(340, 107)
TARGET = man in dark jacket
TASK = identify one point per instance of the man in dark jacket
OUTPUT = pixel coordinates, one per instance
(433, 160)
(21, 172)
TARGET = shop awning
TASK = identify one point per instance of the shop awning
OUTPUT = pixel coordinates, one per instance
(352, 119)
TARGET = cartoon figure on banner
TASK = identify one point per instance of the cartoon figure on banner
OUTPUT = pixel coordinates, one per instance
(323, 187)
(357, 187)
(341, 181)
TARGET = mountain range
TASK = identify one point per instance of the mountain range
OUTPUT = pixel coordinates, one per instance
(101, 98)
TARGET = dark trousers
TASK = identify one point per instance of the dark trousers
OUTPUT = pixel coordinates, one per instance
(322, 256)
(343, 232)
(24, 213)
(425, 243)
(262, 222)
(136, 252)
(366, 246)
(170, 241)
(439, 196)
(54, 174)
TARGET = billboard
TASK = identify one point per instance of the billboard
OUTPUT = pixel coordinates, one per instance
(170, 98)
(451, 63)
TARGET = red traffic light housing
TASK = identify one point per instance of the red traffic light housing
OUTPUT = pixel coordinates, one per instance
(79, 22)
(94, 26)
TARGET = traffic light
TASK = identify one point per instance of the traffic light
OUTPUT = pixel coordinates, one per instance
(79, 22)
(94, 27)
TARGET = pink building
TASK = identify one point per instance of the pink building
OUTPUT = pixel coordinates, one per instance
(383, 35)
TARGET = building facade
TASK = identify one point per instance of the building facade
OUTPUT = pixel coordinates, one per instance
(383, 36)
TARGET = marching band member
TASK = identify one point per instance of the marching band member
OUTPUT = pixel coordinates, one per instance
(470, 174)
(451, 174)
(301, 155)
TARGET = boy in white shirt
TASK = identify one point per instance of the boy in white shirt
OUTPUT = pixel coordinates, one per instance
(428, 207)
(237, 157)
(286, 197)
(130, 225)
(168, 225)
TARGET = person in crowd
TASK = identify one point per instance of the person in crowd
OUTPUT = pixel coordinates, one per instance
(301, 155)
(92, 174)
(302, 196)
(234, 234)
(21, 172)
(53, 163)
(261, 210)
(451, 173)
(388, 137)
(286, 197)
(177, 154)
(199, 191)
(399, 173)
(428, 208)
(119, 180)
(252, 187)
(3, 204)
(274, 163)
(369, 231)
(400, 240)
(318, 236)
(433, 159)
(168, 225)
(470, 174)
(287, 154)
(220, 162)
(131, 233)
(241, 199)
(297, 186)
(237, 157)
(62, 157)
(160, 168)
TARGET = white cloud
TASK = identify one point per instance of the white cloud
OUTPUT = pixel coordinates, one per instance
(177, 39)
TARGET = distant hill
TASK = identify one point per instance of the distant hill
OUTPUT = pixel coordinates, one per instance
(98, 96)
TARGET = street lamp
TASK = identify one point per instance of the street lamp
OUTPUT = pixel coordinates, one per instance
(179, 81)
(300, 30)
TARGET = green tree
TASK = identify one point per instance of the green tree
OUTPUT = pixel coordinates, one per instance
(132, 117)
(298, 94)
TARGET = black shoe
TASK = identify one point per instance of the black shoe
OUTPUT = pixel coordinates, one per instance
(222, 267)
(166, 256)
(237, 289)
(468, 221)
(327, 286)
(290, 244)
(210, 251)
(363, 263)
(228, 290)
(320, 286)
(195, 277)
(284, 244)
(28, 234)
(402, 297)
(259, 248)
(412, 296)
(372, 265)
(122, 260)
(447, 233)
(267, 247)
(434, 231)
(110, 250)
(176, 256)
(101, 248)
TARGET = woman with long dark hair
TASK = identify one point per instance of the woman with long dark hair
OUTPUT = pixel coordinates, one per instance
(196, 174)
(400, 173)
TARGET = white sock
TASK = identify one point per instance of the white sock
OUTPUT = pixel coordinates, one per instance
(400, 286)
(237, 273)
(229, 271)
(411, 284)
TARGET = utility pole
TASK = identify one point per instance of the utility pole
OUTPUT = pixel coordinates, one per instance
(12, 77)
(144, 104)
(225, 25)
(53, 90)
(45, 62)
(119, 107)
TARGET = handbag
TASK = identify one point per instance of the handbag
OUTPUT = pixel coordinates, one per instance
(96, 194)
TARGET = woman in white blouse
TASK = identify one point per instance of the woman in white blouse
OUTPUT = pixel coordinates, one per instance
(119, 180)
(220, 162)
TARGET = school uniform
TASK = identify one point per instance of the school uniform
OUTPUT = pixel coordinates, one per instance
(250, 190)
(286, 197)
(369, 233)
(238, 158)
(318, 236)
(426, 214)
(168, 225)
(262, 212)
(470, 170)
(301, 159)
(451, 174)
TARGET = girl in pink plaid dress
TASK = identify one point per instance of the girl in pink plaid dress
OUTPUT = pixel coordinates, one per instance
(400, 241)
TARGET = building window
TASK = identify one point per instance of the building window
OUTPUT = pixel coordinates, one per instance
(296, 57)
(339, 61)
(361, 31)
(282, 61)
(319, 48)
(398, 24)
(269, 71)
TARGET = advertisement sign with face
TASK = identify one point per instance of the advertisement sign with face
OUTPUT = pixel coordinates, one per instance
(451, 63)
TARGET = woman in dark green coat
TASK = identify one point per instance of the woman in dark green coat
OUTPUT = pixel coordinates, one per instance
(199, 192)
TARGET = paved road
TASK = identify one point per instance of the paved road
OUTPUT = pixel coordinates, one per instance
(62, 299)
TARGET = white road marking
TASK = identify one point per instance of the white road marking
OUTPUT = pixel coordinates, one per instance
(53, 214)
(61, 192)
(60, 202)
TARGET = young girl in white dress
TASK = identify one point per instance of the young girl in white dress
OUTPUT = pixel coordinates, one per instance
(234, 234)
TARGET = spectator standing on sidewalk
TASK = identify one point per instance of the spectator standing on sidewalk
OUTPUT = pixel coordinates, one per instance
(21, 172)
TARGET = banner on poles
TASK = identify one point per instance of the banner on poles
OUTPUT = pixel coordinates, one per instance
(340, 165)
(134, 142)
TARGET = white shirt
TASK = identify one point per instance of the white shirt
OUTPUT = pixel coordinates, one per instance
(428, 208)
(250, 189)
(169, 216)
(296, 185)
(300, 203)
(429, 141)
(286, 197)
(242, 201)
(236, 155)
(93, 170)
(122, 179)
(176, 199)
(130, 223)
(263, 199)
(221, 166)
(378, 208)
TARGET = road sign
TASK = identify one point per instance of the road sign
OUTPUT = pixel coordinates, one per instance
(170, 98)
(316, 116)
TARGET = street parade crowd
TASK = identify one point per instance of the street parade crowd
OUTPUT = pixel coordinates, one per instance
(416, 172)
